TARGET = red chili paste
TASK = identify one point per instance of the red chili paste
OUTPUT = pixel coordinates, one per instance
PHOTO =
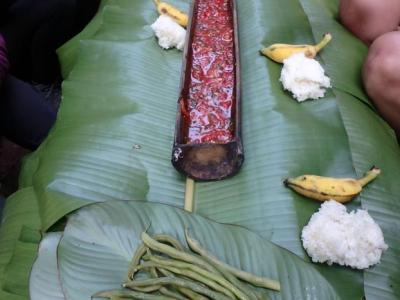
(211, 89)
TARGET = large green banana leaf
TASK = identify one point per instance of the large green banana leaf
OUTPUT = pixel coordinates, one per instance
(44, 279)
(19, 238)
(369, 140)
(105, 236)
(113, 136)
(68, 53)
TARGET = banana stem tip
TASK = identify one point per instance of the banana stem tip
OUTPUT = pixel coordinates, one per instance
(369, 176)
(325, 40)
(375, 169)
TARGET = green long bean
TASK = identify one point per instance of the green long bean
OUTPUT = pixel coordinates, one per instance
(147, 289)
(240, 285)
(164, 238)
(232, 279)
(251, 278)
(178, 282)
(206, 274)
(153, 271)
(193, 275)
(140, 251)
(187, 292)
(253, 295)
(129, 294)
(172, 294)
(192, 295)
(174, 253)
(165, 272)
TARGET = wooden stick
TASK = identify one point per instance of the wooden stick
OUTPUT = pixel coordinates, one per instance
(189, 195)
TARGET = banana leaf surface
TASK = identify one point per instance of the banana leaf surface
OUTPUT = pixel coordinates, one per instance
(113, 136)
(87, 239)
(19, 238)
(44, 279)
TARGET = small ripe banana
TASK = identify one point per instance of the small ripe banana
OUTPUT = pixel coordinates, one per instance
(327, 188)
(167, 9)
(279, 52)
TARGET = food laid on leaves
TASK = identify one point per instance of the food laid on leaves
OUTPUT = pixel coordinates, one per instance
(172, 272)
(323, 188)
(210, 99)
(167, 9)
(169, 33)
(280, 52)
(349, 239)
(304, 77)
(301, 74)
(264, 208)
(102, 247)
(207, 143)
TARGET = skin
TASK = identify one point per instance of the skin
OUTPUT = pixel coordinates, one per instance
(381, 77)
(368, 19)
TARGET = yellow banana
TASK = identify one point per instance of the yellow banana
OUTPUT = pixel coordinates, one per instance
(279, 52)
(326, 188)
(164, 8)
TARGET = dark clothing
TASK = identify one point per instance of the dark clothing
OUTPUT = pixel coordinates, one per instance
(4, 64)
(25, 116)
(4, 5)
(34, 29)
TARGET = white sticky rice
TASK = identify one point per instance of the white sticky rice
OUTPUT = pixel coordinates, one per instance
(350, 239)
(169, 33)
(304, 77)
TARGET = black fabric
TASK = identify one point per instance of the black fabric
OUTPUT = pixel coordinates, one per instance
(25, 116)
(4, 6)
(84, 12)
(34, 29)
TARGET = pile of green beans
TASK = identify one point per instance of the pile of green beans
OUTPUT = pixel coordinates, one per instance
(176, 273)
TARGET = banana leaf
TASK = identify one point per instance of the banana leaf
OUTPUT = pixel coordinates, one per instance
(20, 211)
(19, 238)
(108, 250)
(68, 52)
(20, 264)
(370, 139)
(44, 279)
(113, 136)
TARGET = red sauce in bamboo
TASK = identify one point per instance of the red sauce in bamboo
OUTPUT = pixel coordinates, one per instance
(211, 89)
